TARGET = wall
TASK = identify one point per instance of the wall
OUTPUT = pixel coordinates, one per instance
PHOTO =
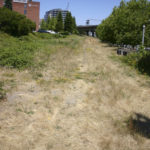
(33, 12)
(1, 3)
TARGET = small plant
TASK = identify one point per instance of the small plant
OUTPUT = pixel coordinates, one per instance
(77, 76)
(61, 80)
(8, 75)
(37, 75)
(19, 110)
(29, 112)
(2, 91)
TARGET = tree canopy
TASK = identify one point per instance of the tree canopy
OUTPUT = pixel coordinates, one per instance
(125, 24)
(43, 25)
(59, 24)
(68, 23)
(51, 23)
(8, 4)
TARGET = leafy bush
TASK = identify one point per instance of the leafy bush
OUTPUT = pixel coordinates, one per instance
(139, 60)
(17, 57)
(133, 58)
(14, 23)
(144, 64)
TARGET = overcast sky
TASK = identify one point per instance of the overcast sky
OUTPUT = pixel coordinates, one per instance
(82, 9)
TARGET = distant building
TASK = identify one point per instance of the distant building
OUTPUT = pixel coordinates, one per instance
(54, 13)
(29, 8)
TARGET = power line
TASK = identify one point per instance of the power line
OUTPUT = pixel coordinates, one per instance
(68, 5)
(89, 20)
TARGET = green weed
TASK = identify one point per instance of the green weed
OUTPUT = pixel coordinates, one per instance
(32, 51)
(2, 91)
(61, 80)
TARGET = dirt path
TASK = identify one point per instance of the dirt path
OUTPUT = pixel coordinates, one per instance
(82, 101)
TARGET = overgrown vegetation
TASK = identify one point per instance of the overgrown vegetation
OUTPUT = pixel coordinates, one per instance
(139, 60)
(125, 24)
(14, 23)
(124, 27)
(32, 50)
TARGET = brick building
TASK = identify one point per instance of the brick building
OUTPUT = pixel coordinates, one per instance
(29, 8)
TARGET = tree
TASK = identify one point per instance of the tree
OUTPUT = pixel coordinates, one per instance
(59, 24)
(51, 23)
(74, 26)
(48, 21)
(124, 25)
(8, 4)
(68, 23)
(43, 25)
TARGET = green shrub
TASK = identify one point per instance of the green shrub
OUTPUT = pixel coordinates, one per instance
(64, 33)
(144, 64)
(139, 60)
(44, 35)
(133, 59)
(15, 57)
(14, 23)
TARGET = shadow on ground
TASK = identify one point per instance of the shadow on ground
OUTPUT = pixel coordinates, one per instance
(140, 124)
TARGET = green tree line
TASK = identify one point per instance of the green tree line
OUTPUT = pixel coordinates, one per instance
(57, 24)
(125, 24)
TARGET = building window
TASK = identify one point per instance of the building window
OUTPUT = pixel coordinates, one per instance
(25, 12)
(25, 5)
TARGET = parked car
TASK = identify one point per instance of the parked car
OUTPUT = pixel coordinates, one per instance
(47, 31)
(43, 31)
(147, 48)
(52, 32)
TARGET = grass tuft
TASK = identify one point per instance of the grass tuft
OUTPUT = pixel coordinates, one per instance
(2, 91)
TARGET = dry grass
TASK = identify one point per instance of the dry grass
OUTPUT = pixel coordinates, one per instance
(82, 100)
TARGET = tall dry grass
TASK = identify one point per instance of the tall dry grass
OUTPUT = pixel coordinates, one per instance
(81, 100)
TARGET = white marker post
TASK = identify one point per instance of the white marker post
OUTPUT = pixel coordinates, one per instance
(143, 34)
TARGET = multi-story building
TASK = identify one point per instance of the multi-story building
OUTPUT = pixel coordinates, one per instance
(54, 13)
(29, 8)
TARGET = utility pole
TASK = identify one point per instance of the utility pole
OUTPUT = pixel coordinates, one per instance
(143, 35)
